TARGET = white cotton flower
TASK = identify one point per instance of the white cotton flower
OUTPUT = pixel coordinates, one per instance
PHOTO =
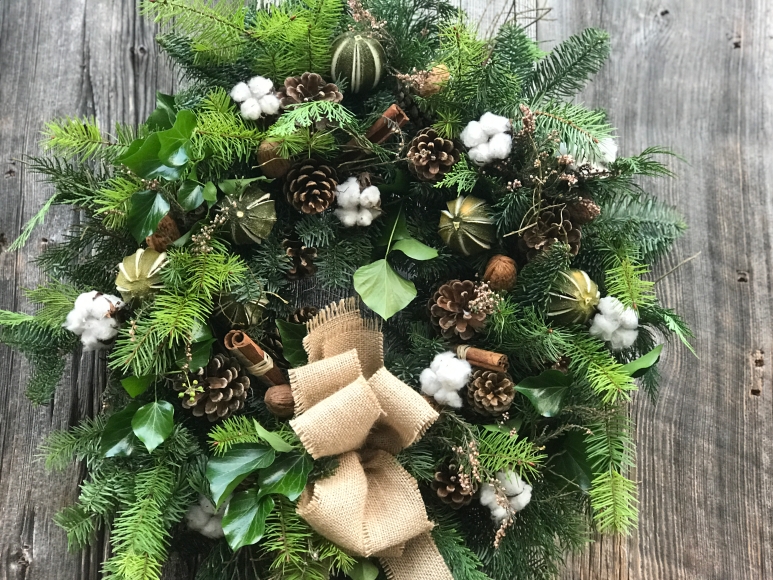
(629, 320)
(429, 383)
(494, 124)
(488, 496)
(260, 86)
(348, 193)
(241, 92)
(623, 338)
(269, 104)
(364, 217)
(443, 379)
(479, 155)
(521, 500)
(204, 519)
(611, 306)
(251, 110)
(370, 197)
(608, 148)
(498, 513)
(499, 146)
(518, 494)
(511, 482)
(615, 324)
(92, 319)
(473, 135)
(347, 216)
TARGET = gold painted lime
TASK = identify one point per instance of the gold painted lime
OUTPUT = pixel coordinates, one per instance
(251, 215)
(139, 275)
(573, 298)
(466, 226)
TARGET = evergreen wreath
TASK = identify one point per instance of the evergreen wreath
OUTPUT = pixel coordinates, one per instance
(448, 190)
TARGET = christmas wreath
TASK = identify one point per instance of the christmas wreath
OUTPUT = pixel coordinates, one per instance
(373, 295)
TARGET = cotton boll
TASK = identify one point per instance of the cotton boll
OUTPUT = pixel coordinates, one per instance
(348, 193)
(364, 217)
(603, 327)
(510, 481)
(608, 149)
(103, 329)
(454, 374)
(260, 86)
(498, 513)
(493, 124)
(629, 320)
(75, 322)
(197, 518)
(473, 135)
(479, 155)
(611, 306)
(453, 400)
(440, 360)
(241, 92)
(347, 216)
(213, 529)
(623, 338)
(520, 501)
(370, 197)
(269, 104)
(488, 495)
(429, 382)
(208, 507)
(251, 109)
(500, 145)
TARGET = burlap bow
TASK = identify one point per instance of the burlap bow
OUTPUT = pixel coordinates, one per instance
(348, 404)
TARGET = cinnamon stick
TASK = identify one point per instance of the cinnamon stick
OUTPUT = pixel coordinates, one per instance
(386, 126)
(254, 358)
(484, 359)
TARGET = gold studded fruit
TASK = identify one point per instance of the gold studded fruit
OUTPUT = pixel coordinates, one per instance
(139, 275)
(466, 226)
(573, 298)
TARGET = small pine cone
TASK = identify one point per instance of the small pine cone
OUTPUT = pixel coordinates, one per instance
(310, 186)
(583, 211)
(302, 259)
(405, 100)
(450, 487)
(219, 390)
(431, 156)
(450, 310)
(562, 365)
(552, 226)
(271, 342)
(304, 314)
(490, 393)
(308, 87)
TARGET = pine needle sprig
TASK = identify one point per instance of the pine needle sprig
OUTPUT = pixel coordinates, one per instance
(238, 430)
(580, 128)
(502, 452)
(71, 137)
(614, 503)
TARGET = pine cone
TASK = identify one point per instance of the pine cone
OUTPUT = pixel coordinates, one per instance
(583, 211)
(449, 488)
(308, 87)
(430, 156)
(450, 310)
(302, 259)
(304, 314)
(311, 186)
(489, 392)
(217, 391)
(406, 102)
(552, 226)
(271, 342)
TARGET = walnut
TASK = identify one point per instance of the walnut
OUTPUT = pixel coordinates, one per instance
(501, 273)
(279, 400)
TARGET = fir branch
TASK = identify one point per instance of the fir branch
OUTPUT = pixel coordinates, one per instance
(581, 129)
(62, 447)
(536, 279)
(34, 222)
(238, 430)
(668, 322)
(8, 318)
(503, 451)
(80, 138)
(56, 299)
(644, 163)
(79, 526)
(614, 503)
(463, 563)
(113, 199)
(624, 281)
(462, 177)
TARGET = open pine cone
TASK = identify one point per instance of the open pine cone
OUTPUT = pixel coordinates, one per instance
(302, 259)
(311, 186)
(304, 314)
(450, 488)
(450, 310)
(217, 391)
(431, 156)
(489, 392)
(406, 101)
(583, 211)
(308, 87)
(553, 225)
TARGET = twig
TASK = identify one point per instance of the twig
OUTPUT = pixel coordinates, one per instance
(679, 265)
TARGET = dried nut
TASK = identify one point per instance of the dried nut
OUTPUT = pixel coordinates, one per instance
(271, 163)
(279, 400)
(436, 79)
(501, 273)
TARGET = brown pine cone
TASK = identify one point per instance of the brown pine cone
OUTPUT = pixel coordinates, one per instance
(451, 487)
(450, 310)
(308, 87)
(217, 391)
(304, 314)
(553, 225)
(583, 211)
(310, 186)
(302, 259)
(405, 100)
(431, 156)
(489, 392)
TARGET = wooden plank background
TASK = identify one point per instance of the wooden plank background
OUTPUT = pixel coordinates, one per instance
(693, 75)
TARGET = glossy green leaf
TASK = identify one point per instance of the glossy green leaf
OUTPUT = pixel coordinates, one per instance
(571, 461)
(641, 365)
(287, 476)
(276, 442)
(175, 149)
(226, 472)
(415, 249)
(142, 158)
(382, 289)
(546, 391)
(292, 342)
(507, 427)
(235, 187)
(166, 111)
(201, 348)
(147, 209)
(395, 228)
(209, 193)
(136, 385)
(363, 570)
(190, 195)
(118, 439)
(153, 423)
(244, 520)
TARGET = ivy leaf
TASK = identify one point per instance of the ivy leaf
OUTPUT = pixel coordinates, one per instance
(506, 427)
(546, 391)
(147, 209)
(152, 423)
(641, 365)
(276, 442)
(190, 195)
(363, 570)
(201, 347)
(143, 159)
(175, 143)
(292, 342)
(415, 249)
(244, 520)
(209, 193)
(118, 438)
(396, 227)
(572, 461)
(382, 289)
(287, 476)
(163, 116)
(226, 472)
(135, 386)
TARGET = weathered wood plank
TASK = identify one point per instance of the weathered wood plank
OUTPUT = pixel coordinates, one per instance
(690, 75)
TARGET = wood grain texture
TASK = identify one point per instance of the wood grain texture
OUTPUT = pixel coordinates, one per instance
(691, 75)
